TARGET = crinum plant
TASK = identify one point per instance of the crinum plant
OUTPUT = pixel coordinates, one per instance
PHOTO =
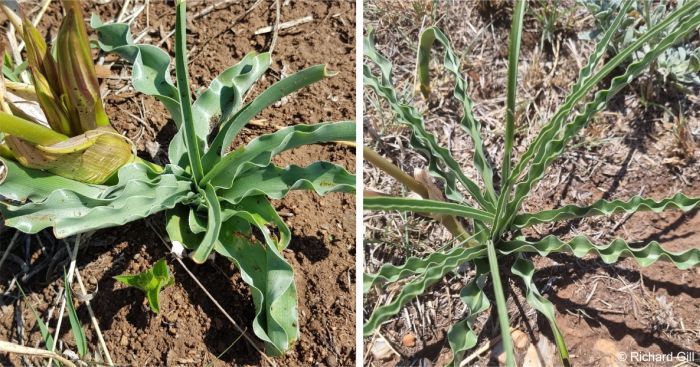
(215, 200)
(495, 211)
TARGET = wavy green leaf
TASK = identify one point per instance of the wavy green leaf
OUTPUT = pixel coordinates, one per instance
(605, 207)
(556, 146)
(265, 270)
(275, 182)
(139, 193)
(553, 126)
(580, 246)
(469, 124)
(418, 286)
(425, 206)
(525, 270)
(461, 335)
(233, 124)
(260, 151)
(440, 161)
(390, 273)
(225, 94)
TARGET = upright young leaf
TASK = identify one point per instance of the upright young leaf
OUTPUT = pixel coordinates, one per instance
(468, 122)
(192, 142)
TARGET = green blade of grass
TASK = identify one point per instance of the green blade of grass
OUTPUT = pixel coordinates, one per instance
(76, 327)
(43, 329)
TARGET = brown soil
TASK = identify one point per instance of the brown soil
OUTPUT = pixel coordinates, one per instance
(603, 310)
(190, 330)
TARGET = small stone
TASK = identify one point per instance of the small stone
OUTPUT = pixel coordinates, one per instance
(381, 350)
(409, 340)
(501, 359)
(331, 361)
(171, 317)
(520, 339)
(172, 330)
(124, 341)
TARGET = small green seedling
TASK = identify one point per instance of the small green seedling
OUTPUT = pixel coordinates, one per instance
(151, 281)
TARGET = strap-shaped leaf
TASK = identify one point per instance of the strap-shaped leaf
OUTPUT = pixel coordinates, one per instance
(440, 162)
(605, 207)
(264, 268)
(275, 182)
(556, 146)
(554, 125)
(260, 150)
(425, 206)
(390, 273)
(418, 286)
(226, 92)
(461, 335)
(580, 246)
(22, 184)
(195, 145)
(139, 193)
(233, 124)
(150, 75)
(151, 65)
(206, 246)
(525, 270)
(470, 124)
